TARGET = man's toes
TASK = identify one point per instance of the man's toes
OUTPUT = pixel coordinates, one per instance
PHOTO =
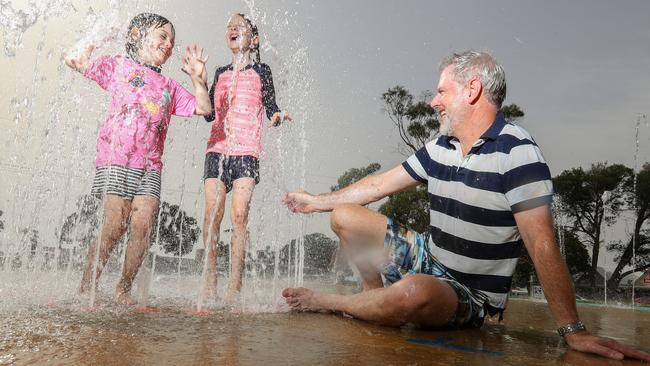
(289, 292)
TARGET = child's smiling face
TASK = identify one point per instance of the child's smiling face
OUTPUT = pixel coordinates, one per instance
(157, 46)
(238, 34)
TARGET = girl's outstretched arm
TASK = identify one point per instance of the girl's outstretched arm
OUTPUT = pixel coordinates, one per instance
(79, 61)
(194, 66)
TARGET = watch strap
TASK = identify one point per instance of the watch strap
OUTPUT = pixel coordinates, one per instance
(571, 327)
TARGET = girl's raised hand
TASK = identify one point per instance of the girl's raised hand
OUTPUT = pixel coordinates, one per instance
(194, 63)
(279, 117)
(79, 60)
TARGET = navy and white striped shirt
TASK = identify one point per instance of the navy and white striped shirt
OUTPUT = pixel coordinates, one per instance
(472, 200)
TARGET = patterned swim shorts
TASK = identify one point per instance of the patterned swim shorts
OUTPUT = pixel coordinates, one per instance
(409, 254)
(126, 182)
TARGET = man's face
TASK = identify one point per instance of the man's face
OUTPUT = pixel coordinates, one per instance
(448, 102)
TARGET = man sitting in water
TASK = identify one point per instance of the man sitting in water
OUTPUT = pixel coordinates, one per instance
(489, 192)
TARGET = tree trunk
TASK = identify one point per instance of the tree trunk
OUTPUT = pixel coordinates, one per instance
(626, 257)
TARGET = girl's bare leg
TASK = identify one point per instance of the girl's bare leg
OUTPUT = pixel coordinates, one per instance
(242, 194)
(215, 199)
(116, 215)
(143, 215)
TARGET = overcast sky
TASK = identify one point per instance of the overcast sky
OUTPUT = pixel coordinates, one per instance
(578, 69)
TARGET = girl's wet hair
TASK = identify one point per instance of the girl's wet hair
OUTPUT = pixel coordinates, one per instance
(143, 22)
(254, 33)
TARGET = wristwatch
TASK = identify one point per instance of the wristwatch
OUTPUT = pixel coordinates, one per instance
(570, 328)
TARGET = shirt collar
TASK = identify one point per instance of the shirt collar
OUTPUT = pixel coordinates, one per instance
(490, 134)
(231, 68)
(157, 69)
(495, 129)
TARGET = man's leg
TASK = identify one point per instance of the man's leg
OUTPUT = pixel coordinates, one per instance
(116, 214)
(215, 199)
(241, 199)
(416, 299)
(143, 214)
(361, 232)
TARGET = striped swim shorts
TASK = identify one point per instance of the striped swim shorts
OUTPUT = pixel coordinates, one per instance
(126, 182)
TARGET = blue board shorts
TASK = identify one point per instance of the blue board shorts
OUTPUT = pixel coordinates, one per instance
(230, 168)
(409, 254)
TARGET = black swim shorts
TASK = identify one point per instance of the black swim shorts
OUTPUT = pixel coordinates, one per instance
(230, 168)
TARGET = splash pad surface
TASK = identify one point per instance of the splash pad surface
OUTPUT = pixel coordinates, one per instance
(261, 331)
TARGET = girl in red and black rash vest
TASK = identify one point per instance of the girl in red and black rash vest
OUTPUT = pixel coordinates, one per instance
(240, 92)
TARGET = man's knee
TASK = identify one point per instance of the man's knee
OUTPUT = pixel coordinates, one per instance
(422, 299)
(342, 215)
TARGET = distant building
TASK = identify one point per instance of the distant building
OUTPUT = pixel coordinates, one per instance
(642, 287)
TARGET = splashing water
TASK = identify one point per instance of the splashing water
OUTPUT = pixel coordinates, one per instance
(56, 125)
(15, 23)
(640, 117)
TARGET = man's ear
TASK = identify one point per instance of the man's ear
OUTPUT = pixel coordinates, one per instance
(474, 90)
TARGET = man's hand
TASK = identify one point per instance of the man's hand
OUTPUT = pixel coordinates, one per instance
(607, 347)
(303, 202)
(194, 63)
(279, 117)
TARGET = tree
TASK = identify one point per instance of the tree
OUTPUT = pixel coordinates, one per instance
(410, 208)
(319, 251)
(576, 256)
(80, 227)
(30, 236)
(639, 201)
(523, 271)
(591, 199)
(512, 113)
(176, 224)
(415, 120)
(355, 174)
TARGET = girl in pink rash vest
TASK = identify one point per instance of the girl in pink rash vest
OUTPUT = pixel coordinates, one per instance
(131, 139)
(240, 93)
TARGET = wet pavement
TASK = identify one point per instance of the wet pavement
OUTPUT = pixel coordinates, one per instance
(61, 332)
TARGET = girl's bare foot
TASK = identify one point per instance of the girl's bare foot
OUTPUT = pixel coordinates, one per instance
(124, 298)
(232, 298)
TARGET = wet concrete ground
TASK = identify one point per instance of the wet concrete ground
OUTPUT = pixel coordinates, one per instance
(63, 334)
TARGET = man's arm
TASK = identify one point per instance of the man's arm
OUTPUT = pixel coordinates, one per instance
(536, 228)
(369, 189)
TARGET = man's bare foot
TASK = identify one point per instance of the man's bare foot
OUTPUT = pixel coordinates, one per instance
(304, 299)
(124, 298)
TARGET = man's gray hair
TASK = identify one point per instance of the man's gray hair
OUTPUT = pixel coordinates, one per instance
(483, 66)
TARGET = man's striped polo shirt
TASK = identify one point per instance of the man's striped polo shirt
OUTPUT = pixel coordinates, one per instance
(472, 201)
